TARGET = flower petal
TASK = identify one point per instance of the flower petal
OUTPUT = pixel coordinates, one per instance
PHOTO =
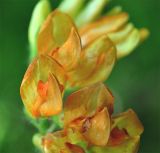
(98, 131)
(126, 39)
(128, 121)
(125, 127)
(86, 102)
(95, 64)
(54, 32)
(69, 53)
(102, 26)
(53, 102)
(40, 89)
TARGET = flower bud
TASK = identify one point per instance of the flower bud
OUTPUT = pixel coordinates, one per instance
(40, 12)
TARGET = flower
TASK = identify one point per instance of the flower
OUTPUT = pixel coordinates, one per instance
(42, 87)
(80, 58)
(59, 38)
(89, 125)
(124, 35)
(114, 23)
(59, 45)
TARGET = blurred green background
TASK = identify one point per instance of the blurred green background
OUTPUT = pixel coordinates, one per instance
(135, 80)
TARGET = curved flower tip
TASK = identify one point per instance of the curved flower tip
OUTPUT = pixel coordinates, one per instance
(54, 32)
(69, 53)
(127, 39)
(125, 36)
(95, 64)
(99, 123)
(102, 26)
(144, 33)
(59, 38)
(42, 87)
(88, 110)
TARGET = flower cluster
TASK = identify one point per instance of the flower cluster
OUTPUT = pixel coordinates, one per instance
(90, 127)
(63, 64)
(68, 58)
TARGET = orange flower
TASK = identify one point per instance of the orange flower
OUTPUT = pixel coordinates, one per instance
(59, 45)
(42, 87)
(90, 108)
(59, 38)
(71, 58)
(89, 125)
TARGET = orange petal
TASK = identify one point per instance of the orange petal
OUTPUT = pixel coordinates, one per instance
(40, 89)
(69, 53)
(105, 25)
(99, 130)
(126, 129)
(95, 64)
(87, 102)
(53, 102)
(117, 136)
(128, 121)
(54, 32)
